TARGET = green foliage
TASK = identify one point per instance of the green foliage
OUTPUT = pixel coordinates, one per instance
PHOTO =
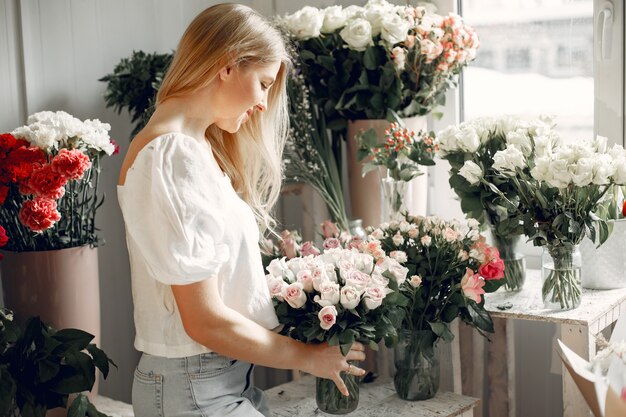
(133, 85)
(41, 367)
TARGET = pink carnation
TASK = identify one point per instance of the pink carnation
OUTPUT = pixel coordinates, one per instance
(39, 214)
(71, 164)
(45, 182)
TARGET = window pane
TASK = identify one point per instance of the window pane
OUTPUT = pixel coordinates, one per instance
(535, 57)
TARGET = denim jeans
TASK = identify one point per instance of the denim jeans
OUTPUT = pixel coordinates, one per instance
(204, 385)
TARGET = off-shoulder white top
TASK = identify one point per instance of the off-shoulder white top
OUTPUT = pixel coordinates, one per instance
(185, 223)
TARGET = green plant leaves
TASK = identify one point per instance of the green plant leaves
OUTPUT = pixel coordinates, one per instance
(40, 367)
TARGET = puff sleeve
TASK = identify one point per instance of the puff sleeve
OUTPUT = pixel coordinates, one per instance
(171, 211)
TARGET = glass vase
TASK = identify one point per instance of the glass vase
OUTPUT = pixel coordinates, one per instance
(330, 400)
(417, 365)
(393, 199)
(561, 270)
(514, 262)
(356, 229)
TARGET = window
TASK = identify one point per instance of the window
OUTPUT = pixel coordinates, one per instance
(542, 56)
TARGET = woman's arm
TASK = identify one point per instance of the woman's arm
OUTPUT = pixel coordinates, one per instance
(208, 321)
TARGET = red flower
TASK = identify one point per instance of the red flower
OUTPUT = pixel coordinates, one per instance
(116, 147)
(7, 142)
(47, 183)
(493, 268)
(4, 191)
(71, 164)
(20, 162)
(624, 209)
(39, 214)
(4, 239)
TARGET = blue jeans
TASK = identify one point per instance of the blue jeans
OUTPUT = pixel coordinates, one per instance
(204, 385)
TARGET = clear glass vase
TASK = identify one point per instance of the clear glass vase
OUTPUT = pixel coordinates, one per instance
(393, 195)
(514, 262)
(561, 270)
(417, 365)
(330, 400)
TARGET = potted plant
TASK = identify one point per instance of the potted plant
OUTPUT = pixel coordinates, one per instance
(49, 196)
(41, 368)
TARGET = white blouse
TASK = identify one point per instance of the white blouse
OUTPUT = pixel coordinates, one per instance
(185, 223)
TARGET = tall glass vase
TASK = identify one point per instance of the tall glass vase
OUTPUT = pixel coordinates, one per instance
(514, 262)
(417, 365)
(561, 270)
(330, 400)
(393, 194)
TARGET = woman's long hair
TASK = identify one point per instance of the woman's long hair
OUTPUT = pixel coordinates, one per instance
(233, 34)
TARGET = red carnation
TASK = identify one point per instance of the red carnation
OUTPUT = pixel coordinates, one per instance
(4, 191)
(116, 147)
(4, 239)
(39, 214)
(7, 142)
(20, 162)
(47, 183)
(71, 164)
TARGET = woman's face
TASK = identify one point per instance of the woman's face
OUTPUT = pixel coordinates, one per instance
(242, 91)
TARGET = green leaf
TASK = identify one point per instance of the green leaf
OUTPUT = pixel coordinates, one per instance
(369, 58)
(75, 338)
(480, 317)
(442, 330)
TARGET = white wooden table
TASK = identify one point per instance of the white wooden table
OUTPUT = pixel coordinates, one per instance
(377, 399)
(578, 329)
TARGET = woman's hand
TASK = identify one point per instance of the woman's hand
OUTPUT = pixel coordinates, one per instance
(326, 361)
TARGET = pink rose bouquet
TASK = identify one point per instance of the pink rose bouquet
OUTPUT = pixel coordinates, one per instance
(450, 269)
(49, 173)
(340, 296)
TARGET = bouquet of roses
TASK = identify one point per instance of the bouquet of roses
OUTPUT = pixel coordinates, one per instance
(362, 61)
(49, 172)
(343, 295)
(561, 187)
(450, 267)
(340, 296)
(470, 148)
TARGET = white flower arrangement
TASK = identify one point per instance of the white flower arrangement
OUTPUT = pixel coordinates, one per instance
(51, 131)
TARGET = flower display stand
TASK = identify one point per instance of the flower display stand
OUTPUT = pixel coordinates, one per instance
(379, 398)
(578, 328)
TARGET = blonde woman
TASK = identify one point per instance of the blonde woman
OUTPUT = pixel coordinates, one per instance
(196, 186)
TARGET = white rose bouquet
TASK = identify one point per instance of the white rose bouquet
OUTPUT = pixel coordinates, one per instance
(561, 188)
(340, 296)
(478, 149)
(361, 61)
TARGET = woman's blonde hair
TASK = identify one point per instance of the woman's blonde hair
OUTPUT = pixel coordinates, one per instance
(233, 34)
